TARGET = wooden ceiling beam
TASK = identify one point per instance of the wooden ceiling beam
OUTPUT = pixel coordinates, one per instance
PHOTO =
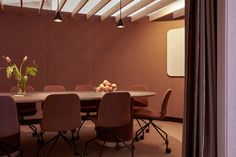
(151, 9)
(114, 9)
(179, 13)
(78, 7)
(1, 5)
(167, 10)
(41, 6)
(61, 5)
(96, 8)
(21, 3)
(134, 8)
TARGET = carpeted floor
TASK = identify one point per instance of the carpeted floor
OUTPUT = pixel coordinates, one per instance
(151, 146)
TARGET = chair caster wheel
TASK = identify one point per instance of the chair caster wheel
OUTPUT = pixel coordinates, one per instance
(147, 130)
(141, 137)
(168, 150)
(34, 134)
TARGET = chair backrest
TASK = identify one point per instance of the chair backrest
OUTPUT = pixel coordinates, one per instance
(165, 103)
(8, 117)
(28, 88)
(114, 110)
(54, 88)
(84, 88)
(61, 112)
(143, 100)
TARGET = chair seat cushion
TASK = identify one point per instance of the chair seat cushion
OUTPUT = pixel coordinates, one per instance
(89, 108)
(139, 104)
(26, 109)
(145, 114)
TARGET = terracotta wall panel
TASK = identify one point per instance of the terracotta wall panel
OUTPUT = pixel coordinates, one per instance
(113, 54)
(23, 33)
(70, 52)
(80, 51)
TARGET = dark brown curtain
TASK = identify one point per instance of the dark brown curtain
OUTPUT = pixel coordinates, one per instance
(200, 127)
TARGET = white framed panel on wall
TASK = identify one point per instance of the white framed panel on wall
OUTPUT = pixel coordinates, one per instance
(176, 52)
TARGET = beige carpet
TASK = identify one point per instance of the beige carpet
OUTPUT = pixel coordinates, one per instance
(151, 146)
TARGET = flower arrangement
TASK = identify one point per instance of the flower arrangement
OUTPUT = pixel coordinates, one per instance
(20, 75)
(106, 86)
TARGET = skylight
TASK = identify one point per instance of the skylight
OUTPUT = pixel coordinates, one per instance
(126, 7)
(171, 7)
(90, 5)
(142, 9)
(111, 4)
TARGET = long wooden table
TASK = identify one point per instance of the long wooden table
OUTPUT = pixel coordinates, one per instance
(125, 132)
(88, 95)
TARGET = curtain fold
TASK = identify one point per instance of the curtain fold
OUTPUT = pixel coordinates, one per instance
(200, 121)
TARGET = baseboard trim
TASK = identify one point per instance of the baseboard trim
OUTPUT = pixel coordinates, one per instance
(173, 119)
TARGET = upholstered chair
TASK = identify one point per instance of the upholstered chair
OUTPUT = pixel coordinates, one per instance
(9, 127)
(148, 115)
(61, 113)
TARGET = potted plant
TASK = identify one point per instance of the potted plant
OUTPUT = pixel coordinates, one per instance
(19, 74)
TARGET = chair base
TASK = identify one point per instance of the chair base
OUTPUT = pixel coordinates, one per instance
(113, 144)
(140, 134)
(30, 123)
(54, 140)
(5, 146)
(105, 135)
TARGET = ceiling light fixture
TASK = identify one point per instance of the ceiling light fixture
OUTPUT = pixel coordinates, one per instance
(57, 17)
(120, 23)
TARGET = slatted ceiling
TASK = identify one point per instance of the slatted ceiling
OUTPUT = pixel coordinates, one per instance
(21, 3)
(78, 7)
(126, 7)
(133, 8)
(179, 13)
(167, 10)
(113, 9)
(61, 4)
(41, 6)
(150, 9)
(95, 9)
(1, 5)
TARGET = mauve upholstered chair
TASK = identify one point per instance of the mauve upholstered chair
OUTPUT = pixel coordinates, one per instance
(9, 127)
(114, 111)
(84, 88)
(139, 101)
(61, 113)
(27, 109)
(87, 106)
(145, 114)
(54, 88)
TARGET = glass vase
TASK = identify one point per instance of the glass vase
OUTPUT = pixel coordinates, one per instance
(22, 85)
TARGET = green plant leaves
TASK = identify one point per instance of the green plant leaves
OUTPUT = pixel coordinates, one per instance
(9, 71)
(12, 69)
(31, 70)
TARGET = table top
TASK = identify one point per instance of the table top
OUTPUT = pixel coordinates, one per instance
(88, 95)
